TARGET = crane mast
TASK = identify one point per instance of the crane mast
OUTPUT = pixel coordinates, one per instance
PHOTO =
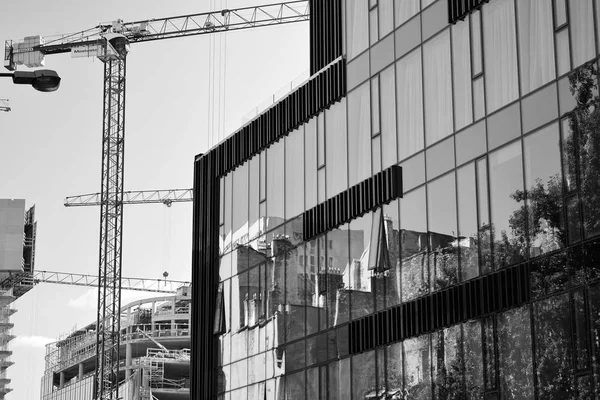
(110, 43)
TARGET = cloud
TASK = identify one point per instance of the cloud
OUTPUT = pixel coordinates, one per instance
(89, 300)
(33, 341)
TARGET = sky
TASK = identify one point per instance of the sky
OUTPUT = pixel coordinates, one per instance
(50, 147)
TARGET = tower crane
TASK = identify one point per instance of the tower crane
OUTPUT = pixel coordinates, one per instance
(166, 197)
(110, 43)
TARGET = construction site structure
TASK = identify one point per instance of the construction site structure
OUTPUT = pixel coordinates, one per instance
(4, 105)
(154, 356)
(166, 197)
(110, 43)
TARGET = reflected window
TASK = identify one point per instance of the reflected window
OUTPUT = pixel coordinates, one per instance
(388, 117)
(336, 148)
(438, 87)
(363, 375)
(467, 240)
(359, 134)
(405, 10)
(294, 173)
(463, 102)
(582, 31)
(499, 35)
(410, 104)
(473, 355)
(508, 223)
(275, 181)
(536, 43)
(413, 242)
(543, 183)
(417, 368)
(240, 205)
(442, 240)
(386, 17)
(514, 351)
(357, 20)
(448, 370)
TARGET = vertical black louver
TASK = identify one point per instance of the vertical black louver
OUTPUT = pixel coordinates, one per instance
(325, 33)
(459, 9)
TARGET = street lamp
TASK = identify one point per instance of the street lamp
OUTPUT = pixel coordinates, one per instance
(44, 80)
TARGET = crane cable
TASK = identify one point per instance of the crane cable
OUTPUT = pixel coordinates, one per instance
(217, 72)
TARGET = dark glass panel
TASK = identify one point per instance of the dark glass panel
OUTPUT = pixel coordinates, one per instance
(595, 325)
(443, 254)
(363, 375)
(543, 183)
(294, 173)
(339, 384)
(312, 380)
(514, 350)
(275, 181)
(580, 331)
(381, 371)
(417, 368)
(489, 355)
(294, 386)
(467, 222)
(473, 355)
(294, 356)
(549, 274)
(359, 134)
(573, 219)
(448, 364)
(394, 370)
(413, 242)
(507, 229)
(553, 348)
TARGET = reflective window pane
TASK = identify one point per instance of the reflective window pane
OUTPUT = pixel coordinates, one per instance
(473, 355)
(240, 204)
(552, 325)
(543, 183)
(417, 368)
(388, 117)
(310, 164)
(438, 87)
(357, 20)
(582, 31)
(275, 181)
(476, 43)
(499, 35)
(363, 375)
(294, 173)
(461, 49)
(413, 239)
(536, 43)
(467, 222)
(478, 98)
(448, 368)
(359, 134)
(375, 126)
(484, 227)
(336, 148)
(373, 26)
(386, 17)
(443, 257)
(405, 9)
(562, 51)
(410, 104)
(560, 9)
(507, 224)
(514, 351)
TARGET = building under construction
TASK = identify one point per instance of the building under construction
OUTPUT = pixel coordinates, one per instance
(17, 256)
(154, 354)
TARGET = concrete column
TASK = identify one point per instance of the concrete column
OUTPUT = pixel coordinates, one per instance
(127, 360)
(61, 383)
(80, 375)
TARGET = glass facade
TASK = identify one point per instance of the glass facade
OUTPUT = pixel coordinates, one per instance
(495, 122)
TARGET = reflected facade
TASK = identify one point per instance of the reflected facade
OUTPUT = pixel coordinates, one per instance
(494, 120)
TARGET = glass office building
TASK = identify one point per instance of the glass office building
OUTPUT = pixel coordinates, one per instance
(418, 220)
